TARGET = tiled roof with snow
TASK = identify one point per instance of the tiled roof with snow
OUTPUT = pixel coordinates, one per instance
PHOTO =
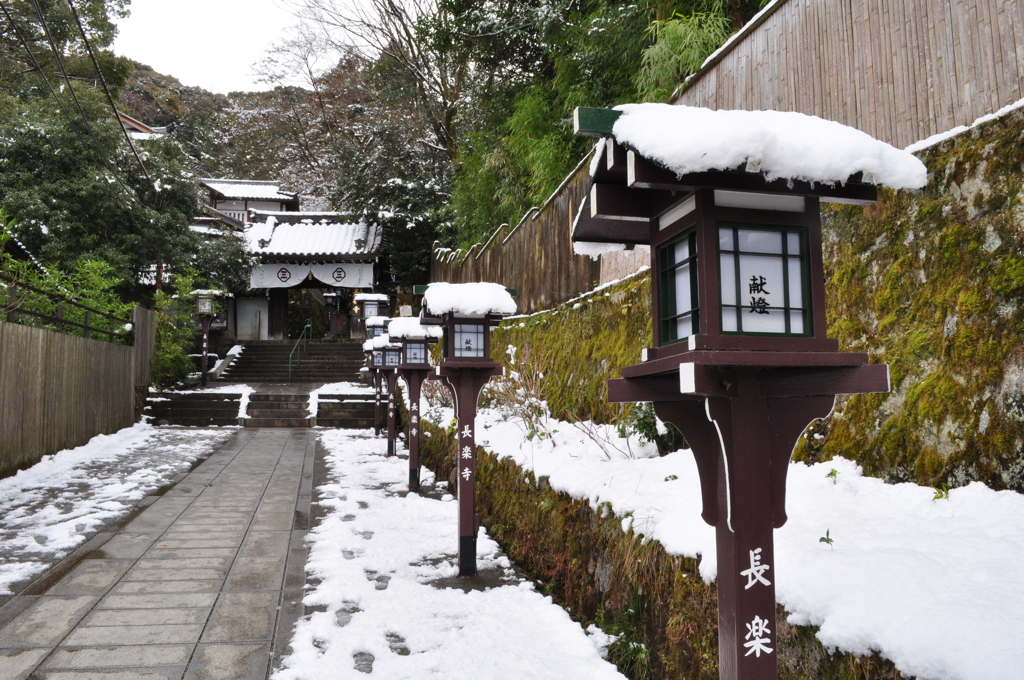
(310, 234)
(247, 189)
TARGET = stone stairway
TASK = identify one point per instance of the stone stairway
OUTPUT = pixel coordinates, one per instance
(345, 410)
(278, 410)
(196, 409)
(326, 361)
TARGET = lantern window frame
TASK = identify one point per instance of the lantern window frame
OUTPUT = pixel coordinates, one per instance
(665, 278)
(422, 347)
(805, 311)
(392, 358)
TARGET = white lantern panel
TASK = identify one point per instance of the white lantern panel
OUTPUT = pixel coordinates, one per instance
(796, 282)
(392, 358)
(378, 358)
(725, 240)
(205, 305)
(469, 341)
(370, 309)
(772, 321)
(684, 327)
(727, 264)
(684, 296)
(729, 324)
(415, 353)
(759, 241)
(796, 322)
(761, 283)
(793, 243)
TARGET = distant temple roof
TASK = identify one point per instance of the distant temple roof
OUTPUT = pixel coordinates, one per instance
(309, 234)
(247, 190)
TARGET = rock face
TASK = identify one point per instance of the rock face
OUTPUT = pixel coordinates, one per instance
(932, 283)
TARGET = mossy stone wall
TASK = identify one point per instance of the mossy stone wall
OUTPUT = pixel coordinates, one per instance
(931, 283)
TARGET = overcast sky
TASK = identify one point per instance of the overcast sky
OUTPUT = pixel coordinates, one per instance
(209, 43)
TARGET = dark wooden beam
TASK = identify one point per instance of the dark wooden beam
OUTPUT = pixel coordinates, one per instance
(587, 228)
(614, 202)
(643, 174)
(593, 122)
(802, 382)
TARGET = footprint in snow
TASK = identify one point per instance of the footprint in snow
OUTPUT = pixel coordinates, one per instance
(344, 615)
(397, 644)
(364, 662)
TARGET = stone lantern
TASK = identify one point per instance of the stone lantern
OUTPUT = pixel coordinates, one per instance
(728, 203)
(414, 368)
(466, 313)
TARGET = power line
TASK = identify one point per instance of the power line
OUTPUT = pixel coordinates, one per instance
(106, 90)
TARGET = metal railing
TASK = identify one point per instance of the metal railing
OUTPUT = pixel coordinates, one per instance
(15, 306)
(300, 346)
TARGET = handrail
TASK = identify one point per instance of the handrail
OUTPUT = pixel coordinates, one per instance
(302, 339)
(14, 307)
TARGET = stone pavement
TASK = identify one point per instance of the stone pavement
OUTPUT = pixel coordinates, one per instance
(205, 582)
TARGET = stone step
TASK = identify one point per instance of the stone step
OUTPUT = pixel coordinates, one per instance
(196, 396)
(277, 413)
(277, 422)
(205, 412)
(279, 398)
(345, 423)
(195, 422)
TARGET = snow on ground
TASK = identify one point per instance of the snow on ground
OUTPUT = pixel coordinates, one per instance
(239, 388)
(49, 509)
(934, 584)
(374, 561)
(342, 387)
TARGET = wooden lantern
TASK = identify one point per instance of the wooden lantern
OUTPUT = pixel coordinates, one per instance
(466, 312)
(740, 362)
(414, 368)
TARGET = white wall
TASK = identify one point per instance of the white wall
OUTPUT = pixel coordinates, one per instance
(246, 307)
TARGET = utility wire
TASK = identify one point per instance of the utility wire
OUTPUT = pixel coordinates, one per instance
(106, 90)
(74, 97)
(35, 64)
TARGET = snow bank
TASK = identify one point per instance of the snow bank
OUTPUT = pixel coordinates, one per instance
(375, 560)
(932, 584)
(409, 327)
(780, 144)
(468, 299)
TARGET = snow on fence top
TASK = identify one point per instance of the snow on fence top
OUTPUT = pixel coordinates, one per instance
(468, 299)
(779, 144)
(371, 297)
(407, 327)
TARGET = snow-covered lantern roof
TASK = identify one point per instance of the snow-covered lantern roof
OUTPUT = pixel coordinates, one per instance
(728, 201)
(376, 325)
(415, 337)
(466, 311)
(377, 342)
(373, 304)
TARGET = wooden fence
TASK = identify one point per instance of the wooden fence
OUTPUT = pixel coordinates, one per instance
(900, 70)
(535, 258)
(57, 391)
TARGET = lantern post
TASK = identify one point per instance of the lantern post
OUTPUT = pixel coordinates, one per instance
(392, 359)
(741, 363)
(414, 368)
(466, 312)
(206, 311)
(376, 327)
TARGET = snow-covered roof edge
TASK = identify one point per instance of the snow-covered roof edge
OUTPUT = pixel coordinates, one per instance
(468, 299)
(778, 144)
(409, 327)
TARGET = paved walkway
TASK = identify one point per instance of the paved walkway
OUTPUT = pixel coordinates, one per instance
(206, 582)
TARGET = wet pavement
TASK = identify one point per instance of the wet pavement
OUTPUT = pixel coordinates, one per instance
(205, 582)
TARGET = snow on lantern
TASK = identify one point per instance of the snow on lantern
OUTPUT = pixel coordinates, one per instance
(415, 366)
(466, 312)
(728, 203)
(373, 304)
(373, 348)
